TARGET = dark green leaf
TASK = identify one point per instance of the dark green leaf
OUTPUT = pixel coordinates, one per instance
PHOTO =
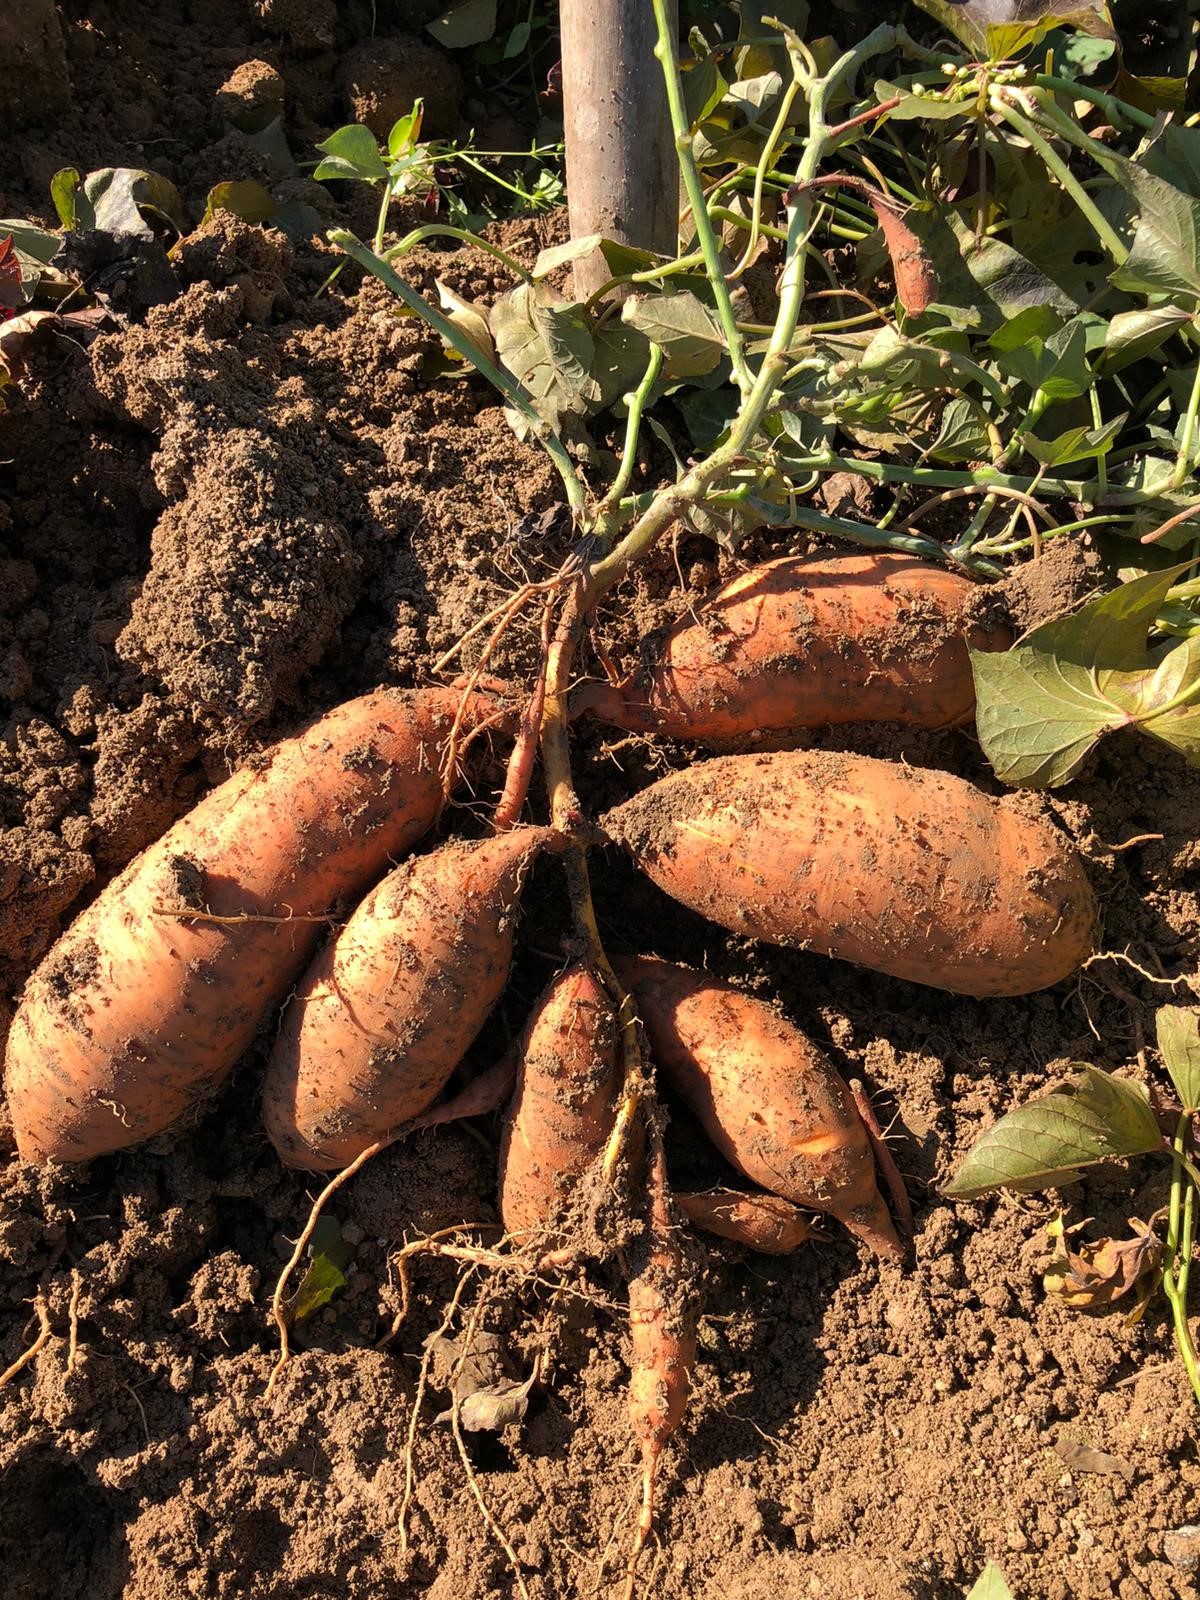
(1179, 1041)
(464, 25)
(1045, 1143)
(1130, 335)
(708, 413)
(1164, 257)
(1053, 363)
(1042, 706)
(517, 41)
(1075, 444)
(963, 434)
(703, 88)
(351, 152)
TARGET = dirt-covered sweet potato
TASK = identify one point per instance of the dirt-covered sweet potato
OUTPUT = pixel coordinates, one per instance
(771, 1102)
(138, 1012)
(565, 1102)
(911, 872)
(387, 1010)
(804, 642)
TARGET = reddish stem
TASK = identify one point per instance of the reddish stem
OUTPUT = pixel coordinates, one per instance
(883, 1159)
(524, 751)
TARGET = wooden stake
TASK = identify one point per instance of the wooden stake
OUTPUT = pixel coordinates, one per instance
(622, 179)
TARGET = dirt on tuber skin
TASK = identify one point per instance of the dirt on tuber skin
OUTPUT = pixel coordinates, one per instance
(769, 1100)
(564, 1105)
(763, 1222)
(910, 872)
(146, 1003)
(388, 1009)
(804, 642)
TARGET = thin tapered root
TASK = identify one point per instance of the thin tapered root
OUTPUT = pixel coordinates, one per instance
(30, 1353)
(524, 752)
(277, 1299)
(651, 1456)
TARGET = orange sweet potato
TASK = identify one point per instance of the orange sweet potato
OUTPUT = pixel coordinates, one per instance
(137, 1014)
(805, 642)
(763, 1222)
(911, 872)
(565, 1104)
(769, 1100)
(662, 1331)
(387, 1010)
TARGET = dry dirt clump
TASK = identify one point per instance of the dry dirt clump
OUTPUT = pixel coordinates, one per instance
(380, 82)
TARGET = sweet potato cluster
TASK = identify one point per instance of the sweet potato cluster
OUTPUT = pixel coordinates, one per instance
(148, 1001)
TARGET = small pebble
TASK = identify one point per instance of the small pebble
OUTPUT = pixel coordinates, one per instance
(1181, 1547)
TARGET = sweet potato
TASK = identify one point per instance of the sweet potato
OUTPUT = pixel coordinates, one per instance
(769, 1100)
(662, 1329)
(137, 1013)
(565, 1104)
(763, 1222)
(911, 872)
(805, 642)
(387, 1010)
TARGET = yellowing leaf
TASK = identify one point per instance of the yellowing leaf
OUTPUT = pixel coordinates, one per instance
(246, 199)
(990, 1585)
(469, 321)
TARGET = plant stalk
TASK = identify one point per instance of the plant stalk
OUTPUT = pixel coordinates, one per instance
(1179, 1249)
(664, 51)
(1102, 227)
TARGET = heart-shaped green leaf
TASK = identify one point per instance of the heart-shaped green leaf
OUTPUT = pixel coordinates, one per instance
(1042, 706)
(690, 340)
(351, 152)
(1045, 1143)
(1179, 1041)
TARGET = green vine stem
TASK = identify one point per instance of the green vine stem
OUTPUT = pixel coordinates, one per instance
(1180, 1214)
(435, 230)
(609, 508)
(664, 51)
(1003, 107)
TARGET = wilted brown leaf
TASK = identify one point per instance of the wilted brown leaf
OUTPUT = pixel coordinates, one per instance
(479, 1379)
(1082, 1458)
(1100, 1271)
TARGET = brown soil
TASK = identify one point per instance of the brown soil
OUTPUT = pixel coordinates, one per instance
(244, 508)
